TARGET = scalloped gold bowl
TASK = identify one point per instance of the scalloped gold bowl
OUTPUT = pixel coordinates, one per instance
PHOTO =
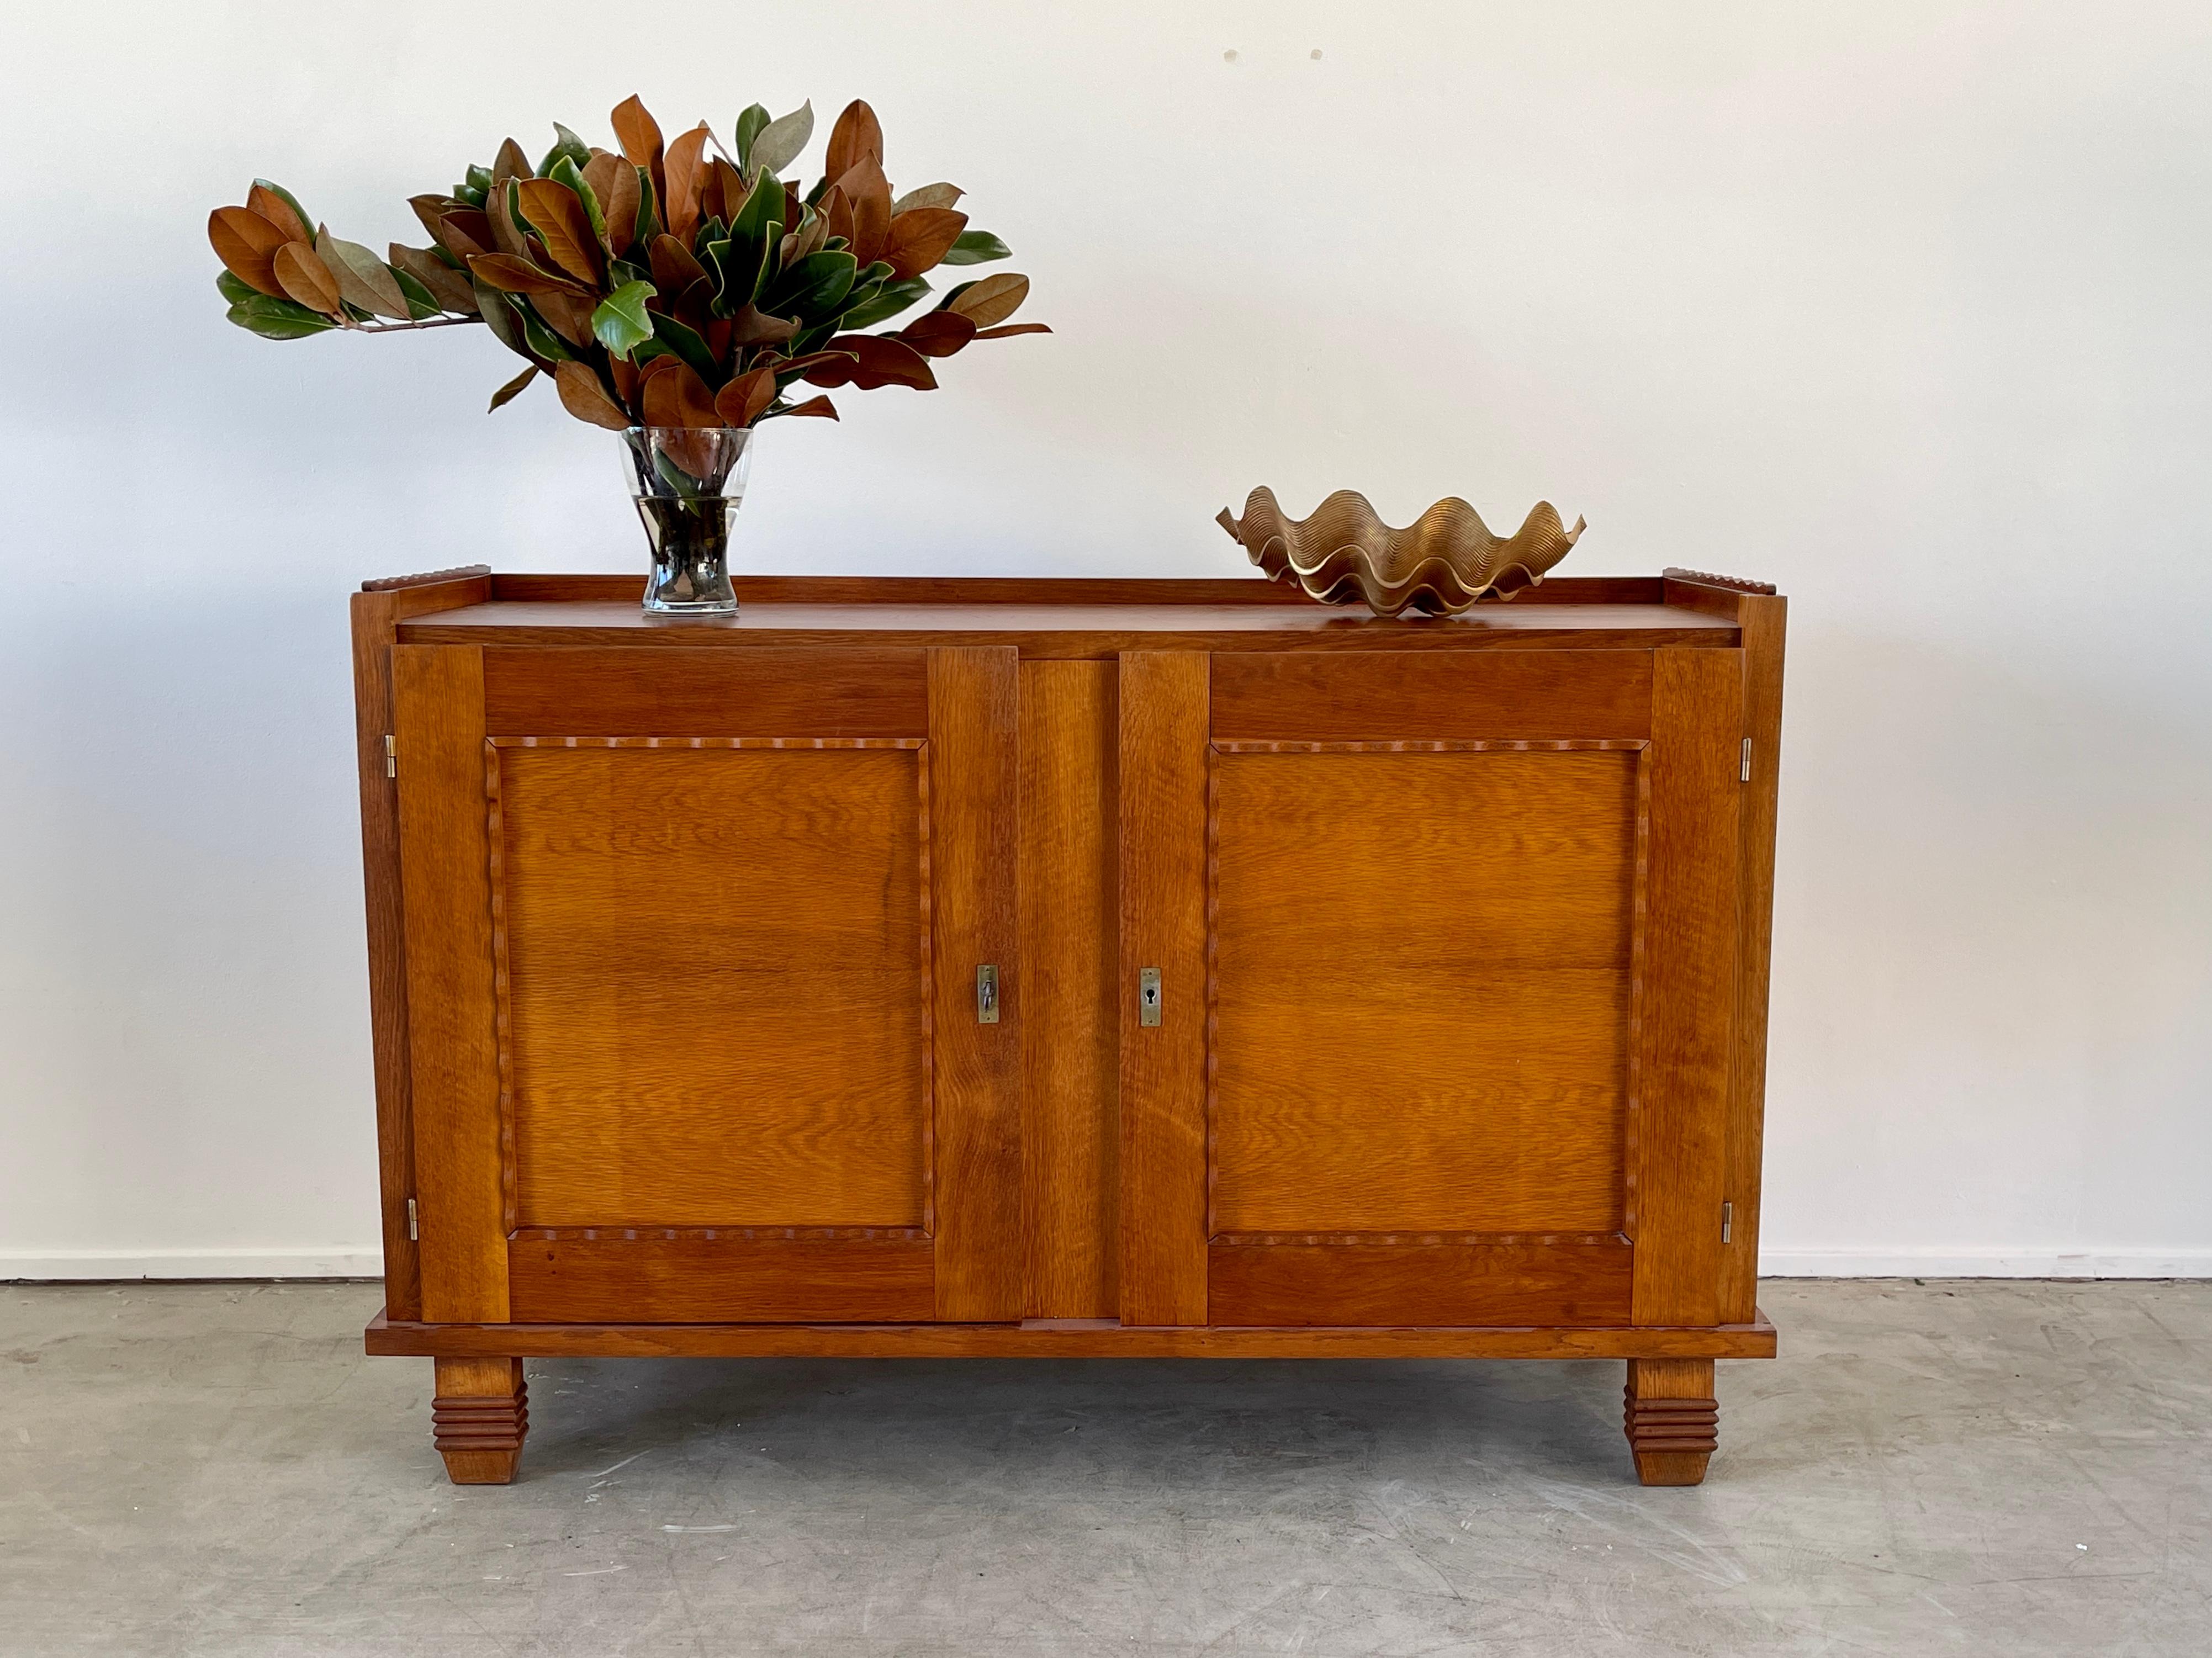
(1442, 564)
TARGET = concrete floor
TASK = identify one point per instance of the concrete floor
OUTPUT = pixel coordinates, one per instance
(1981, 1468)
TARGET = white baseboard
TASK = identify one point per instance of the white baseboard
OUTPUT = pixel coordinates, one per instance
(1985, 1263)
(42, 1266)
(78, 1267)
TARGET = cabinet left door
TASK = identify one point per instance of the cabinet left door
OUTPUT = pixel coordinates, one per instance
(693, 938)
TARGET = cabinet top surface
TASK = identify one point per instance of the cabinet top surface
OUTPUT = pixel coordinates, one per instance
(1058, 617)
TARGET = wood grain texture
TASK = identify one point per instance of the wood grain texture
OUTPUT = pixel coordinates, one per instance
(1500, 694)
(1163, 767)
(1561, 1285)
(451, 1002)
(854, 692)
(1685, 1047)
(376, 614)
(1071, 1123)
(1763, 619)
(683, 1278)
(976, 804)
(1056, 1339)
(1031, 590)
(1671, 1419)
(479, 1416)
(1420, 976)
(715, 964)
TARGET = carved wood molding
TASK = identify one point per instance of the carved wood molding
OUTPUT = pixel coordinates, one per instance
(1670, 1424)
(428, 579)
(1732, 583)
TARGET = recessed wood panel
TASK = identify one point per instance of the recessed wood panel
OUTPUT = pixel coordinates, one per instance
(715, 989)
(1421, 985)
(1418, 1283)
(1530, 695)
(585, 692)
(679, 1278)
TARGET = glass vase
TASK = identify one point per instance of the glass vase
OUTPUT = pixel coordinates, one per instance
(688, 482)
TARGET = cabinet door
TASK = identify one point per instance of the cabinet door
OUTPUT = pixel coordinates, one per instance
(693, 939)
(1444, 957)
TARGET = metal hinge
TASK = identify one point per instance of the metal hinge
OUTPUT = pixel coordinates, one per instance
(1746, 761)
(391, 756)
(414, 1231)
(1728, 1221)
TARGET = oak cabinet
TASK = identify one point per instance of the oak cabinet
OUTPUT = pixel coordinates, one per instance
(1068, 967)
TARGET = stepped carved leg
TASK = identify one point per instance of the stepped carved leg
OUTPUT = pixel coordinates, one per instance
(1671, 1419)
(478, 1418)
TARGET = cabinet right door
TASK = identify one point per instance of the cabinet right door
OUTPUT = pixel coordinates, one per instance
(1428, 964)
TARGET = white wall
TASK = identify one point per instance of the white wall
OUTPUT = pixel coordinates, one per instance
(1907, 307)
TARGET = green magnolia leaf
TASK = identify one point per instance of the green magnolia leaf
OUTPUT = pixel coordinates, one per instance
(479, 180)
(420, 302)
(566, 171)
(499, 315)
(648, 211)
(813, 287)
(749, 128)
(543, 343)
(619, 322)
(365, 280)
(764, 206)
(889, 302)
(687, 345)
(779, 141)
(278, 319)
(565, 144)
(233, 290)
(976, 247)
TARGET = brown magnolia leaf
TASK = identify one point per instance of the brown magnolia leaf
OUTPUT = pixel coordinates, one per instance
(448, 286)
(246, 244)
(509, 163)
(506, 236)
(628, 377)
(568, 315)
(659, 365)
(678, 397)
(813, 234)
(728, 193)
(513, 275)
(618, 206)
(927, 196)
(636, 132)
(919, 238)
(937, 333)
(463, 231)
(305, 279)
(744, 399)
(513, 389)
(858, 133)
(991, 299)
(754, 326)
(876, 359)
(431, 208)
(361, 276)
(1010, 330)
(557, 214)
(821, 407)
(279, 211)
(686, 167)
(674, 270)
(836, 210)
(870, 192)
(599, 173)
(583, 396)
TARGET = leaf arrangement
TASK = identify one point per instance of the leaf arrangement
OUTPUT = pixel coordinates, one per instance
(662, 286)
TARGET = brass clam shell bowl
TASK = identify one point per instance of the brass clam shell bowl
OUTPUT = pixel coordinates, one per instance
(1445, 561)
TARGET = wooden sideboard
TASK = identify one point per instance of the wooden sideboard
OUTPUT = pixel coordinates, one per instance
(1068, 969)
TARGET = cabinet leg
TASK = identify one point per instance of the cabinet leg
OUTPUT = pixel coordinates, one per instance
(478, 1418)
(1671, 1419)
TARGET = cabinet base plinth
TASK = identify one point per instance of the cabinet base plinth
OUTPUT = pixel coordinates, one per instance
(479, 1418)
